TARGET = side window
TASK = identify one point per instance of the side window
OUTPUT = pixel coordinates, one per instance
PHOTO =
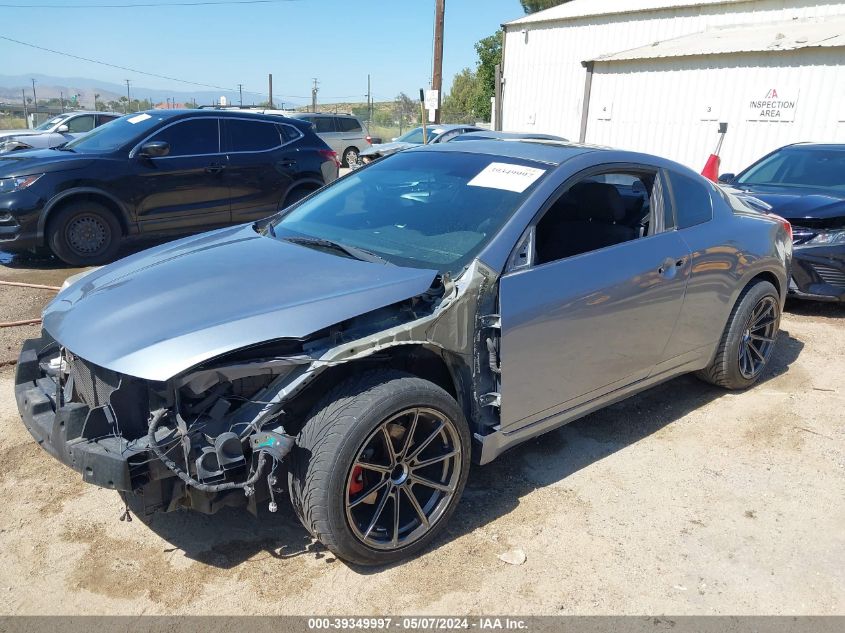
(81, 124)
(598, 211)
(288, 133)
(323, 124)
(102, 119)
(448, 136)
(692, 201)
(348, 124)
(192, 137)
(251, 136)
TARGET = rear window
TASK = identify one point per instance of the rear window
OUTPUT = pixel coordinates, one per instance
(251, 136)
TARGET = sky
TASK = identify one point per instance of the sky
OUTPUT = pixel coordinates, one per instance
(338, 42)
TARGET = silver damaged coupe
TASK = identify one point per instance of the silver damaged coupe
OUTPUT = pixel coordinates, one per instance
(365, 344)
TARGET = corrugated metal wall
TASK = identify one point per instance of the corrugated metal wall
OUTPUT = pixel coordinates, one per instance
(658, 104)
(544, 79)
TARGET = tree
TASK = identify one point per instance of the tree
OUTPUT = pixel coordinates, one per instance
(459, 106)
(405, 109)
(489, 55)
(96, 100)
(532, 6)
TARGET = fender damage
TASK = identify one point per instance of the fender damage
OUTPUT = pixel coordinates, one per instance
(217, 434)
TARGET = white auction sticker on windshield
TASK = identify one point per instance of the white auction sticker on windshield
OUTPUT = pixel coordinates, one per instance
(506, 176)
(139, 117)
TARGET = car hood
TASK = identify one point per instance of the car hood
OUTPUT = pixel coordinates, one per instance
(160, 312)
(384, 149)
(4, 134)
(799, 204)
(39, 161)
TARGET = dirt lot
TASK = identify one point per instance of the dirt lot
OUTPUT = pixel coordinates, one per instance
(684, 500)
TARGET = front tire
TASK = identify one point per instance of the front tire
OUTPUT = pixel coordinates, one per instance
(84, 233)
(380, 466)
(748, 341)
(350, 157)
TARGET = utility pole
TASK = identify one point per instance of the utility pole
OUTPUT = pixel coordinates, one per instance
(437, 71)
(34, 98)
(369, 102)
(241, 94)
(25, 113)
(128, 98)
(270, 78)
(314, 92)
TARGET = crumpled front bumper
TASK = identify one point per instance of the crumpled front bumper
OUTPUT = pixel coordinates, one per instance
(818, 273)
(67, 431)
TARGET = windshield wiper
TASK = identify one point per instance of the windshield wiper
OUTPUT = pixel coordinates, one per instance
(65, 148)
(351, 251)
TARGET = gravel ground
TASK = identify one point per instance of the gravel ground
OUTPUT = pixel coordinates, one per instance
(683, 500)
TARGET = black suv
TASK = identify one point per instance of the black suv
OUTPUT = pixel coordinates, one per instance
(157, 173)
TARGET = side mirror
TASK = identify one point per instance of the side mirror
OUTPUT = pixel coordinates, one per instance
(62, 129)
(154, 149)
(727, 178)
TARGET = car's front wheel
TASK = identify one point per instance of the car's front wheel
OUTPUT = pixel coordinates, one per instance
(379, 466)
(748, 341)
(84, 233)
(350, 157)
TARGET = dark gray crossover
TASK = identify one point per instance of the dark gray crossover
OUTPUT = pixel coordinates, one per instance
(365, 343)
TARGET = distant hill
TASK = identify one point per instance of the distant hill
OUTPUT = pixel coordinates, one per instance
(50, 87)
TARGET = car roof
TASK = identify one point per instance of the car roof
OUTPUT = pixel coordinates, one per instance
(550, 152)
(222, 113)
(837, 147)
(492, 134)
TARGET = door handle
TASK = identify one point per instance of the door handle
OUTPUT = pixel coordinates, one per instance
(288, 162)
(214, 168)
(670, 264)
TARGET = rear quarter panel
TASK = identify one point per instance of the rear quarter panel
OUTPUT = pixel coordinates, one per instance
(727, 253)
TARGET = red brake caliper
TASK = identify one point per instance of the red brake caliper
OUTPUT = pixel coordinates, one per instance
(357, 483)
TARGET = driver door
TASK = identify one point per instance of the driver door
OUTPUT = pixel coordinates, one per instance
(578, 326)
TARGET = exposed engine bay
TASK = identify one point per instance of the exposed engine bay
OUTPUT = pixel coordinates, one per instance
(218, 434)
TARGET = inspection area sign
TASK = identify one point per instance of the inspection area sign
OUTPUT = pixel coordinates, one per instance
(772, 104)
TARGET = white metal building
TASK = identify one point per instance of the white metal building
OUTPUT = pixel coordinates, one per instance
(659, 75)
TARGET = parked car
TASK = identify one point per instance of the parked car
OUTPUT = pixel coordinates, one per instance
(508, 136)
(56, 131)
(157, 173)
(414, 137)
(805, 183)
(371, 339)
(344, 133)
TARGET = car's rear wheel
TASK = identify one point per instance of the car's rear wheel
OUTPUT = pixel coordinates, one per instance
(350, 156)
(380, 466)
(84, 233)
(297, 194)
(748, 341)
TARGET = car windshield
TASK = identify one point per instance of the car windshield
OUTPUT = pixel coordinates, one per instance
(419, 209)
(799, 167)
(50, 123)
(415, 136)
(116, 134)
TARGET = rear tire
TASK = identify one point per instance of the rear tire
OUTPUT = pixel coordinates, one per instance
(748, 341)
(84, 233)
(297, 194)
(345, 480)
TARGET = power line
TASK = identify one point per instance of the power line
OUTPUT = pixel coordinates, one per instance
(133, 70)
(190, 3)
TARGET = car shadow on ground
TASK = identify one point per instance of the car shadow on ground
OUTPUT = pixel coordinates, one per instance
(233, 536)
(824, 309)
